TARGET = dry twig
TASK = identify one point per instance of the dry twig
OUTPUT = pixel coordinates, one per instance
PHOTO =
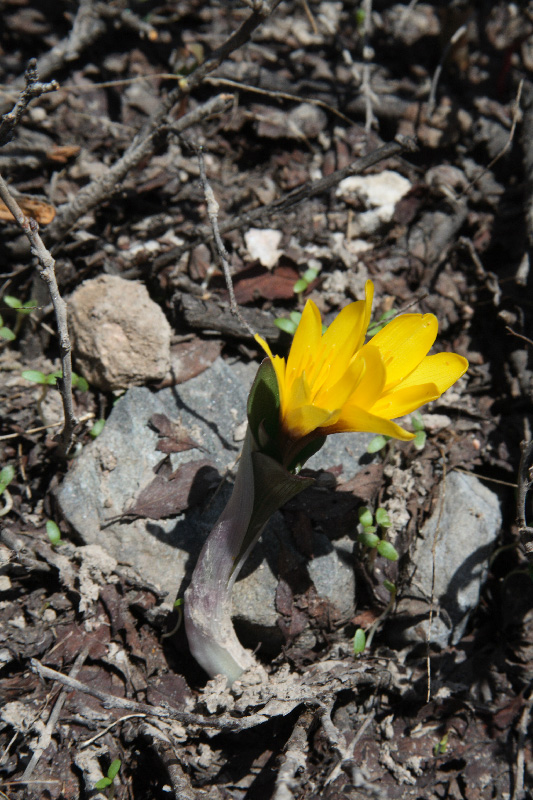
(212, 213)
(525, 482)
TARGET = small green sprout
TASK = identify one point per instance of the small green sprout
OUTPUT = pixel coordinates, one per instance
(418, 426)
(51, 379)
(112, 773)
(369, 538)
(362, 639)
(6, 476)
(441, 747)
(22, 309)
(380, 323)
(377, 443)
(97, 428)
(289, 325)
(6, 333)
(359, 641)
(54, 534)
(307, 278)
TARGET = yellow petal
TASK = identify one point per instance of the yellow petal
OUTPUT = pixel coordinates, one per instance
(442, 368)
(403, 343)
(303, 420)
(305, 343)
(338, 394)
(403, 401)
(372, 383)
(357, 419)
(369, 297)
(338, 344)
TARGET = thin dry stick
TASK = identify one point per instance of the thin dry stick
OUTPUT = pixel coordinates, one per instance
(111, 701)
(436, 77)
(433, 570)
(212, 213)
(368, 55)
(523, 725)
(525, 482)
(46, 736)
(294, 759)
(33, 88)
(47, 274)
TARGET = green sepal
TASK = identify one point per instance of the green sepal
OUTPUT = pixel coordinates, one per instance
(273, 487)
(264, 404)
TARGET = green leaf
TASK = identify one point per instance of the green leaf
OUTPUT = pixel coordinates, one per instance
(97, 428)
(368, 539)
(178, 602)
(387, 550)
(359, 641)
(6, 334)
(420, 440)
(377, 443)
(6, 476)
(286, 325)
(79, 383)
(263, 404)
(382, 518)
(300, 286)
(417, 421)
(305, 454)
(365, 517)
(12, 302)
(390, 587)
(310, 275)
(274, 486)
(103, 783)
(34, 376)
(114, 768)
(54, 534)
(28, 307)
(295, 316)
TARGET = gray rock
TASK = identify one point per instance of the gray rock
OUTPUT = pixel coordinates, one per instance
(110, 472)
(466, 533)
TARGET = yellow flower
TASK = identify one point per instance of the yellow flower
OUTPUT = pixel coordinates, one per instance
(333, 382)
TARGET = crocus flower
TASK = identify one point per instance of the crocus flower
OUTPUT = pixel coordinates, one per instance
(331, 382)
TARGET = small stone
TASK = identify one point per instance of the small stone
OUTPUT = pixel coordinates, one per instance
(121, 338)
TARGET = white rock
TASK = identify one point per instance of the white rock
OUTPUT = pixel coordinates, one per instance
(263, 245)
(383, 189)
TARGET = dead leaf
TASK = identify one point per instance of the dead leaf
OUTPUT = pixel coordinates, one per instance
(61, 153)
(42, 212)
(169, 496)
(173, 437)
(257, 282)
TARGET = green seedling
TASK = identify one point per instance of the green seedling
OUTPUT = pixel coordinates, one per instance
(97, 428)
(307, 278)
(380, 323)
(54, 534)
(51, 380)
(418, 426)
(290, 323)
(22, 309)
(6, 476)
(112, 773)
(363, 639)
(6, 333)
(441, 747)
(369, 537)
